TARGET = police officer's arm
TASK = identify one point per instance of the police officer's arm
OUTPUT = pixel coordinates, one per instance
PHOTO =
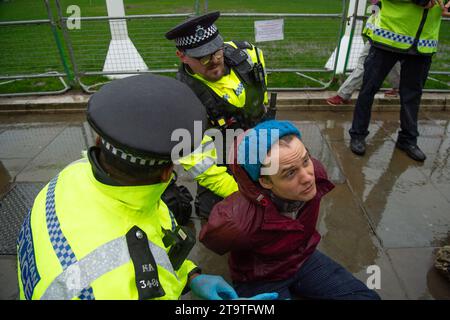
(202, 166)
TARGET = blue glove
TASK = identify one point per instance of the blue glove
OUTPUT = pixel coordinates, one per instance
(262, 296)
(265, 296)
(212, 288)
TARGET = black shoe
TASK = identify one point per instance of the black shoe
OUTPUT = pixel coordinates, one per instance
(412, 151)
(358, 146)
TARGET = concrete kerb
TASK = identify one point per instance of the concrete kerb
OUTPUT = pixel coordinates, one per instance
(301, 101)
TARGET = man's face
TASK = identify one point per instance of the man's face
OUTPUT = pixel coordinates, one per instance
(212, 71)
(295, 178)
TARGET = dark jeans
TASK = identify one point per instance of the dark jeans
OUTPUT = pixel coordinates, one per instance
(319, 278)
(413, 74)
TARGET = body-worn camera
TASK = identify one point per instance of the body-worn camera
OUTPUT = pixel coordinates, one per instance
(181, 241)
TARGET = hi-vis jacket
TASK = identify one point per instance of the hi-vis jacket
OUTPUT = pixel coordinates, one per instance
(401, 25)
(224, 99)
(87, 240)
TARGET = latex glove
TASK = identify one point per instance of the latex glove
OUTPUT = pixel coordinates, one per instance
(262, 296)
(212, 288)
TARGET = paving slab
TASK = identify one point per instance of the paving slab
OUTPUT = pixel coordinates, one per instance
(27, 141)
(348, 238)
(63, 150)
(405, 209)
(415, 267)
(9, 289)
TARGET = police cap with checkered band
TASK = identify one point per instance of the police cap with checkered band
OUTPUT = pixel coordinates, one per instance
(136, 116)
(198, 36)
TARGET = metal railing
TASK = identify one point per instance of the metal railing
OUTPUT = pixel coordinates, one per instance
(30, 50)
(297, 53)
(48, 48)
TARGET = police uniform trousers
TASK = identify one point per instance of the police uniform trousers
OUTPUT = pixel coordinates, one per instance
(413, 74)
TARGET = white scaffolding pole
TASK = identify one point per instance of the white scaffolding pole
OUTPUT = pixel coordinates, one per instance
(122, 54)
(357, 7)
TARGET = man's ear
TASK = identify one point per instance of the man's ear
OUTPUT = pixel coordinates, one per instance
(181, 55)
(265, 182)
(166, 174)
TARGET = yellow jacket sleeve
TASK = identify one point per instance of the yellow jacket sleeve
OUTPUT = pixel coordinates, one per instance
(202, 167)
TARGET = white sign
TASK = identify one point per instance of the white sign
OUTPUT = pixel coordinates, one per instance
(269, 30)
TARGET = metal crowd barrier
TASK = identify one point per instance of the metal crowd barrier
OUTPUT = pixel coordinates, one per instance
(309, 40)
(30, 50)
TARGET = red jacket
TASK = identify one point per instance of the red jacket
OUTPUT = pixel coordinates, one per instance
(263, 244)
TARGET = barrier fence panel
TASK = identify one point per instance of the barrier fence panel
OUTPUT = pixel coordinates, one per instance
(30, 50)
(308, 41)
(141, 46)
(95, 48)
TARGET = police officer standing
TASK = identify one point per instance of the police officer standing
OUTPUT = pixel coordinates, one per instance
(405, 31)
(99, 229)
(230, 80)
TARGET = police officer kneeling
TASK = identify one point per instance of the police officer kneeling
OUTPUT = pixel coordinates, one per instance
(99, 229)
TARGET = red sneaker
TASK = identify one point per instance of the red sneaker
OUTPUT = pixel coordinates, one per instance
(337, 100)
(391, 93)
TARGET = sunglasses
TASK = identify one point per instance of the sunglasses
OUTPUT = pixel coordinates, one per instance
(206, 59)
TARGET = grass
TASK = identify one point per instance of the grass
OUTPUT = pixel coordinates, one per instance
(308, 43)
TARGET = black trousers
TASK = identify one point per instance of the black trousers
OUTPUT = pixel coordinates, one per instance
(413, 75)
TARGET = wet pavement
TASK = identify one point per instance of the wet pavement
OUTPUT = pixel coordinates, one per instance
(386, 210)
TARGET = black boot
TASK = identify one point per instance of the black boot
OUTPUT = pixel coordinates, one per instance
(413, 151)
(358, 146)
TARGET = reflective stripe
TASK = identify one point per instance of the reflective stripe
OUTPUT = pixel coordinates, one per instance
(387, 34)
(59, 242)
(161, 258)
(102, 260)
(201, 167)
(207, 146)
(428, 43)
(401, 38)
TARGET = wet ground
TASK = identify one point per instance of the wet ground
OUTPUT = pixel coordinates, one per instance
(386, 210)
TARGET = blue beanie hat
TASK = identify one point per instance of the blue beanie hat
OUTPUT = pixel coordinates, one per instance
(257, 142)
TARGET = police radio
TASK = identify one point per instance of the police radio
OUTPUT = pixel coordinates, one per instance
(181, 240)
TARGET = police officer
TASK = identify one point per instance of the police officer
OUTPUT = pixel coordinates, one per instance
(230, 80)
(405, 31)
(99, 229)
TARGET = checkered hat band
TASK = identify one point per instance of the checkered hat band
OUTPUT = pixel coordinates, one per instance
(145, 162)
(197, 38)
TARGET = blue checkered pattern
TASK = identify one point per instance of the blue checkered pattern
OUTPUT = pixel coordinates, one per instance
(239, 89)
(394, 36)
(226, 97)
(401, 38)
(172, 218)
(428, 43)
(87, 294)
(59, 242)
(390, 35)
